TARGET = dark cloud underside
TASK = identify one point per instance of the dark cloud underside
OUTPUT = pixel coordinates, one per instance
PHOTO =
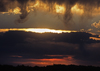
(19, 45)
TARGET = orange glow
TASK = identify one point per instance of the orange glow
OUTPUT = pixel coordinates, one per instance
(96, 25)
(37, 30)
(54, 59)
(13, 11)
(17, 10)
(45, 62)
(4, 30)
(55, 8)
(96, 11)
(39, 5)
(94, 38)
(36, 4)
(46, 7)
(80, 10)
(89, 29)
(60, 9)
(81, 30)
(77, 9)
(92, 33)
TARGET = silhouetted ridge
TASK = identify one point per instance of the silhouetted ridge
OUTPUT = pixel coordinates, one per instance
(49, 68)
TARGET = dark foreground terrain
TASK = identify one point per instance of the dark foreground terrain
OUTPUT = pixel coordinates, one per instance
(49, 68)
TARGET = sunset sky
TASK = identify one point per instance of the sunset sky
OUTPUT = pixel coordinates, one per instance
(47, 32)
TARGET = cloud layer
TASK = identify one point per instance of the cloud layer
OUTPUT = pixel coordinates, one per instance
(18, 47)
(85, 8)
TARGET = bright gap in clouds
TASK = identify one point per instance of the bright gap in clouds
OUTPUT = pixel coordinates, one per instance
(37, 30)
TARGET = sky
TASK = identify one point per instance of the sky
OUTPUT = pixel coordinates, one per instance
(47, 32)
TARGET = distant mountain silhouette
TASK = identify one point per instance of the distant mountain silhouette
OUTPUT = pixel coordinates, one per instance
(49, 68)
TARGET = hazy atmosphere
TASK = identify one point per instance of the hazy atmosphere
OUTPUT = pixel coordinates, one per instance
(47, 32)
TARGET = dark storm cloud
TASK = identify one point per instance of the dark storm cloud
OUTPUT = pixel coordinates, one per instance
(30, 45)
(22, 1)
(72, 1)
(23, 16)
(2, 6)
(74, 37)
(5, 5)
(89, 5)
(68, 16)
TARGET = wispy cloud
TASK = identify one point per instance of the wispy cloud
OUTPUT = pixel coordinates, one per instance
(96, 25)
